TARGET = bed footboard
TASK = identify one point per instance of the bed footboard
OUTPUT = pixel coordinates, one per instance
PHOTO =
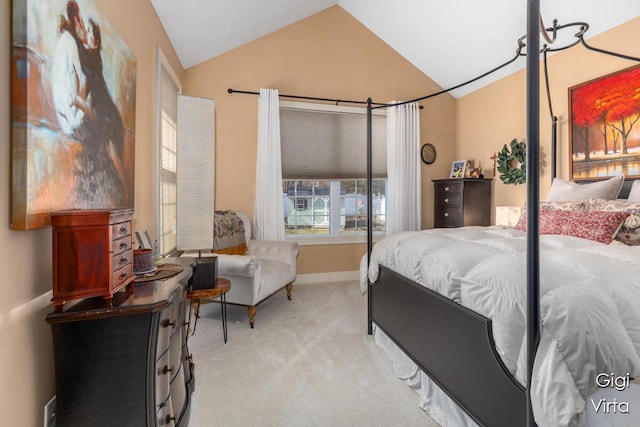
(452, 344)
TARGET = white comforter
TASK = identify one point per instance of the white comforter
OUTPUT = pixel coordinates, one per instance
(590, 304)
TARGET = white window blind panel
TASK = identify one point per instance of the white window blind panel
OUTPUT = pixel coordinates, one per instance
(324, 144)
(196, 167)
(168, 101)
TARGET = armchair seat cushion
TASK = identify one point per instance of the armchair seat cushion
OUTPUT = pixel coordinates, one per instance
(253, 279)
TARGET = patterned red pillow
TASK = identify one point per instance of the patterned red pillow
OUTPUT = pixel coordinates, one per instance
(600, 226)
(549, 221)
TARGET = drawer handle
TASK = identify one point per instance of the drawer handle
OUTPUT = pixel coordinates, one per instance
(124, 260)
(167, 369)
(446, 188)
(123, 245)
(168, 323)
(123, 275)
(170, 418)
(123, 230)
(446, 214)
(446, 200)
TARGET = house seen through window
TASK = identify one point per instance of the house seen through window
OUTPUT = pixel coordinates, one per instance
(168, 88)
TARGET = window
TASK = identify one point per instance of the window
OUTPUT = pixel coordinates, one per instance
(301, 204)
(308, 211)
(324, 170)
(168, 88)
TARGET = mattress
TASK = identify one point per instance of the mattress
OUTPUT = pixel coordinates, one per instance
(590, 306)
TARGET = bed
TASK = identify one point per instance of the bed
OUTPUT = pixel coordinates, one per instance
(471, 279)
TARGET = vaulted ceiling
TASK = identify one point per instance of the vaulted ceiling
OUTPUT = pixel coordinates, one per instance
(449, 41)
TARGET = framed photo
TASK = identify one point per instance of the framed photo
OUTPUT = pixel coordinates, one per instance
(458, 168)
(604, 137)
(144, 239)
(73, 109)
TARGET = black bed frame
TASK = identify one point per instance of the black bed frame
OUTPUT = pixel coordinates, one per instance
(452, 344)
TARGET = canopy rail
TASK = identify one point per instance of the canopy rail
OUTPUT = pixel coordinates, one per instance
(533, 194)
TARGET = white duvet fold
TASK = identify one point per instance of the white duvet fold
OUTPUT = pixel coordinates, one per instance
(590, 303)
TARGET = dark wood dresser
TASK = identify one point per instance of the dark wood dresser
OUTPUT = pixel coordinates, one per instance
(127, 364)
(92, 253)
(461, 202)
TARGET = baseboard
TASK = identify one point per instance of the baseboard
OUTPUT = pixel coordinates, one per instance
(336, 276)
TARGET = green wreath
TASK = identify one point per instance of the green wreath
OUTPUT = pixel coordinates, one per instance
(512, 163)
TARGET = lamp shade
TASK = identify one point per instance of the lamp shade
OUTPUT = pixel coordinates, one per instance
(507, 215)
(195, 173)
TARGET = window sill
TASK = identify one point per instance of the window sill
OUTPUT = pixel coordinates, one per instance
(332, 240)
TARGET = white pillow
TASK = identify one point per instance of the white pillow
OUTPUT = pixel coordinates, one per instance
(634, 193)
(568, 191)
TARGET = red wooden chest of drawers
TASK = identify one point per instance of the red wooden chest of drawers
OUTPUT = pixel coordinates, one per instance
(92, 254)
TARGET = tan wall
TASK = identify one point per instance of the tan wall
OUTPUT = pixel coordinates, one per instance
(494, 115)
(26, 353)
(328, 55)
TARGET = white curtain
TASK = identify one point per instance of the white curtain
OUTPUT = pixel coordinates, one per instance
(403, 169)
(268, 214)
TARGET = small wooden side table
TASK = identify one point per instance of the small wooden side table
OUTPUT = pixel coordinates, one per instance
(220, 289)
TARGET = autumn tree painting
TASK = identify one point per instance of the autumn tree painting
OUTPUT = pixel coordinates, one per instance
(605, 134)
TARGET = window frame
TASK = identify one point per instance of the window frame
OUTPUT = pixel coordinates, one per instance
(162, 66)
(331, 239)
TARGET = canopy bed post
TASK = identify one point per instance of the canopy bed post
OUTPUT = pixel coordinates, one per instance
(369, 208)
(533, 193)
(554, 146)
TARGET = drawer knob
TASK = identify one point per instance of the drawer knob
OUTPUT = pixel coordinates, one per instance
(170, 419)
(446, 214)
(446, 188)
(123, 230)
(167, 369)
(123, 275)
(123, 245)
(446, 200)
(168, 323)
(124, 260)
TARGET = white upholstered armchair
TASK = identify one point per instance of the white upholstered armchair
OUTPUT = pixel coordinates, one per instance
(265, 268)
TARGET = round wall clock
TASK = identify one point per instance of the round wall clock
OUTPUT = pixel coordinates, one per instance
(428, 153)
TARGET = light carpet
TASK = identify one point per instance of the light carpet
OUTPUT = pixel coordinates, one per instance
(307, 362)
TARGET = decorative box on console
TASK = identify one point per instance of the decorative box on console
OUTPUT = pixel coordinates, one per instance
(205, 273)
(92, 254)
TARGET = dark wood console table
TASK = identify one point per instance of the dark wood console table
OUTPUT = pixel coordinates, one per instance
(126, 364)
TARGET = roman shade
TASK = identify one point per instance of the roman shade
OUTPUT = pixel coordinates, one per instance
(330, 142)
